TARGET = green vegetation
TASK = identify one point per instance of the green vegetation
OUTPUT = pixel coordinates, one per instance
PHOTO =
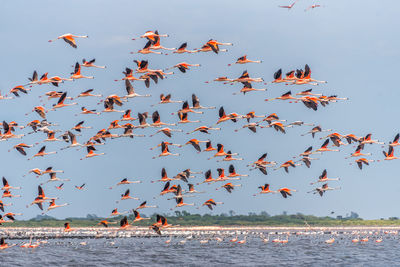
(186, 219)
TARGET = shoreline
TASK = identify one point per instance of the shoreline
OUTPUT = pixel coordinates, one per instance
(180, 231)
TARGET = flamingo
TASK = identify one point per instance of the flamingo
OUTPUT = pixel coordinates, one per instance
(324, 178)
(90, 153)
(229, 187)
(362, 161)
(165, 151)
(265, 190)
(210, 203)
(182, 49)
(146, 49)
(42, 153)
(167, 131)
(312, 7)
(244, 60)
(180, 203)
(21, 148)
(125, 181)
(358, 152)
(183, 66)
(196, 103)
(390, 154)
(126, 195)
(183, 118)
(69, 38)
(286, 191)
(90, 63)
(325, 148)
(88, 93)
(287, 164)
(4, 245)
(247, 87)
(124, 224)
(53, 205)
(367, 140)
(221, 152)
(156, 121)
(138, 217)
(289, 6)
(80, 187)
(243, 241)
(321, 190)
(208, 178)
(195, 143)
(54, 178)
(131, 91)
(77, 73)
(204, 129)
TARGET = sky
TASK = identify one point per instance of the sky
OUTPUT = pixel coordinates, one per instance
(351, 44)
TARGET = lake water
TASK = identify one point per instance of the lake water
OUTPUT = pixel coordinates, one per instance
(299, 251)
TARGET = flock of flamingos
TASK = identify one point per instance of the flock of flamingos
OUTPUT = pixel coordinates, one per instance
(126, 125)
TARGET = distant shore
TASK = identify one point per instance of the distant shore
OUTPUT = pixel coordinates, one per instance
(182, 231)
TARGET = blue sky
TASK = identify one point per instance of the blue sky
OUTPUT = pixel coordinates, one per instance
(353, 45)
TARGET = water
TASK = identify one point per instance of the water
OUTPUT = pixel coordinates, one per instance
(300, 251)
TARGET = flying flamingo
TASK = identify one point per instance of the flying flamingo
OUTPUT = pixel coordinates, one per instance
(69, 38)
(229, 187)
(125, 181)
(321, 190)
(21, 148)
(285, 96)
(289, 6)
(183, 66)
(312, 7)
(157, 122)
(165, 151)
(362, 161)
(325, 148)
(88, 93)
(247, 87)
(90, 63)
(138, 217)
(167, 131)
(80, 187)
(196, 103)
(324, 178)
(126, 195)
(390, 154)
(183, 118)
(77, 73)
(244, 60)
(53, 205)
(91, 154)
(180, 203)
(143, 205)
(146, 49)
(42, 153)
(287, 164)
(131, 91)
(208, 178)
(358, 152)
(221, 152)
(54, 178)
(6, 186)
(265, 190)
(210, 203)
(195, 143)
(285, 192)
(182, 49)
(204, 129)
